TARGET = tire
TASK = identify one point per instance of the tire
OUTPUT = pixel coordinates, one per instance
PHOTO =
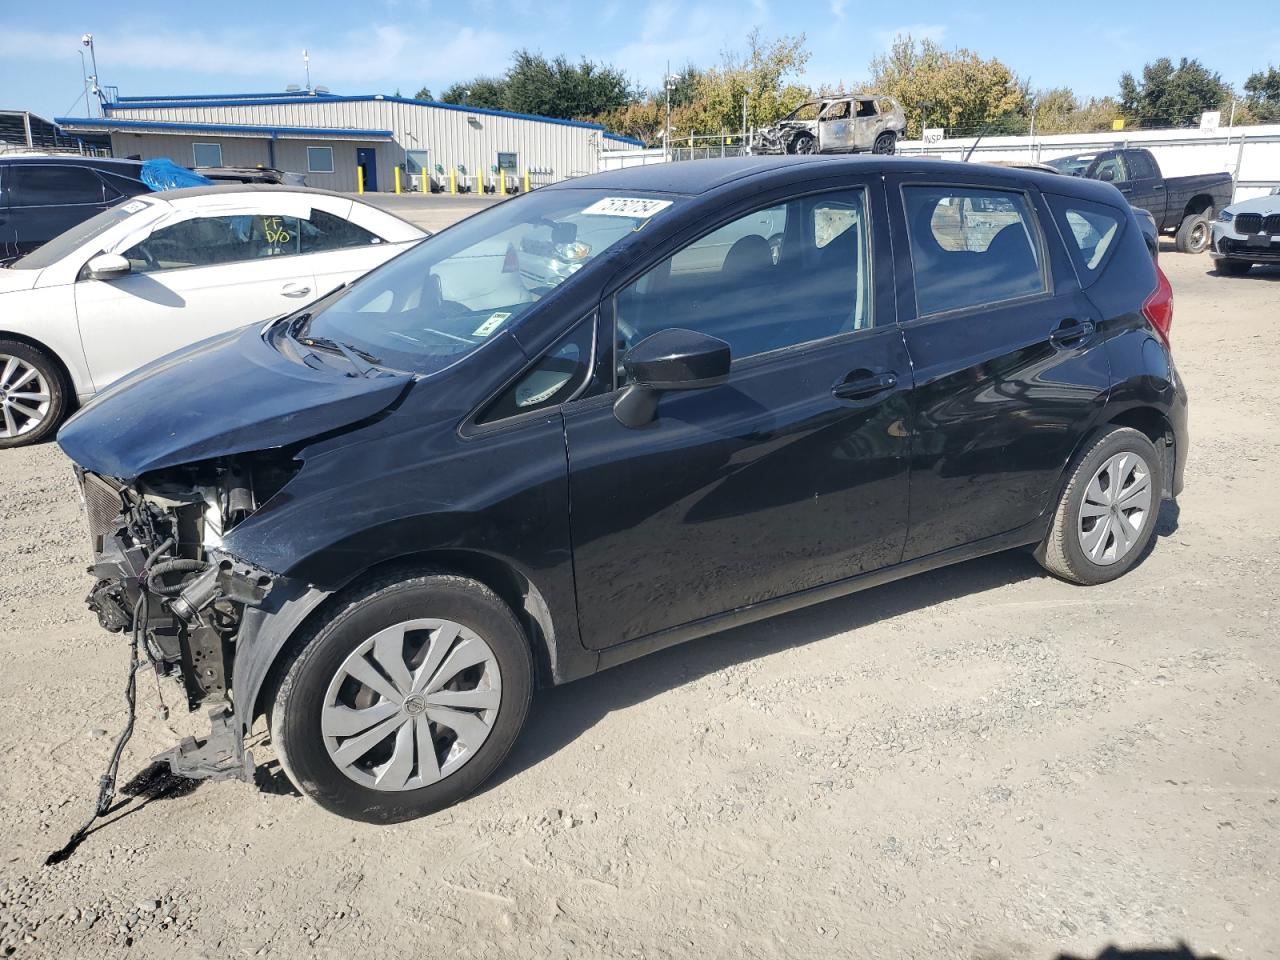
(886, 143)
(313, 709)
(1233, 268)
(1193, 234)
(1083, 507)
(25, 418)
(803, 144)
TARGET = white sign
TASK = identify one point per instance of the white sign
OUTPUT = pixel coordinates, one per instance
(627, 207)
(1210, 119)
(933, 134)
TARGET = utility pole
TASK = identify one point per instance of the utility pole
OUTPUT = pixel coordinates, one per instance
(306, 66)
(666, 133)
(95, 89)
(744, 120)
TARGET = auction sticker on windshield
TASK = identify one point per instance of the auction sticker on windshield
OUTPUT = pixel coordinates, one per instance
(627, 207)
(493, 323)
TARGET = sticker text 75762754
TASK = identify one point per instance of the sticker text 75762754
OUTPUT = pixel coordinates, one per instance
(637, 207)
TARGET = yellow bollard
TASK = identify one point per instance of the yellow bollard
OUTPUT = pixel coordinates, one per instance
(397, 179)
(526, 181)
(453, 180)
(480, 180)
(359, 179)
(426, 180)
(502, 182)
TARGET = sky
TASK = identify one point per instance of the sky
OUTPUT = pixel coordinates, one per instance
(379, 46)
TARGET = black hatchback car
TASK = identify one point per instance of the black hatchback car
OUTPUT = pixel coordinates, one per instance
(43, 196)
(610, 416)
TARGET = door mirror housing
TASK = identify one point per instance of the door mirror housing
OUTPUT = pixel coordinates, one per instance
(672, 359)
(108, 266)
(1107, 175)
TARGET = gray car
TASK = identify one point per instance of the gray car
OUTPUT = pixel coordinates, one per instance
(1246, 233)
(855, 124)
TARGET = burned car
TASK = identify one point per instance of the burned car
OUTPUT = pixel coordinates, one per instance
(859, 124)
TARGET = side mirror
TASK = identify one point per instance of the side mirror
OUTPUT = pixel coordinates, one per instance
(1107, 174)
(671, 359)
(108, 266)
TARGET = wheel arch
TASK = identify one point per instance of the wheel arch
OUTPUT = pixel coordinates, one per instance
(1200, 203)
(63, 370)
(304, 606)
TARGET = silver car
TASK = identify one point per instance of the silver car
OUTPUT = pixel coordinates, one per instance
(1246, 233)
(856, 124)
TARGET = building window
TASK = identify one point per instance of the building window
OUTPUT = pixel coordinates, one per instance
(319, 159)
(507, 162)
(207, 154)
(415, 161)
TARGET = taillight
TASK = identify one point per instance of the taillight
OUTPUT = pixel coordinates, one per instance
(1158, 307)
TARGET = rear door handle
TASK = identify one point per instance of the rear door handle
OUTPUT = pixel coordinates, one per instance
(295, 290)
(861, 384)
(1071, 331)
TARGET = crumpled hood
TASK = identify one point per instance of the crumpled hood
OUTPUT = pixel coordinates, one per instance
(233, 393)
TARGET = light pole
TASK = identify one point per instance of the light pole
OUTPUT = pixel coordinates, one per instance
(306, 66)
(669, 83)
(96, 90)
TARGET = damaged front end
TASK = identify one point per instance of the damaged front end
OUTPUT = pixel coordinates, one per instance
(782, 136)
(159, 569)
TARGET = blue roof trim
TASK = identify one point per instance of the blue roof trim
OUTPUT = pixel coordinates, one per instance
(621, 139)
(168, 97)
(99, 124)
(278, 99)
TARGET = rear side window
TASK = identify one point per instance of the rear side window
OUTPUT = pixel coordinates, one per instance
(971, 247)
(50, 185)
(324, 231)
(1090, 230)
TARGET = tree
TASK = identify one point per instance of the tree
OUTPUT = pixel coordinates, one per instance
(1059, 110)
(956, 88)
(423, 94)
(1169, 96)
(487, 92)
(1262, 91)
(760, 75)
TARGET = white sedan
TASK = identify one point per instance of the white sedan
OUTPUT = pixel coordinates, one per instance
(165, 270)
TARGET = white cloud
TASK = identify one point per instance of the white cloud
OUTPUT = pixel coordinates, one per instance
(917, 31)
(837, 8)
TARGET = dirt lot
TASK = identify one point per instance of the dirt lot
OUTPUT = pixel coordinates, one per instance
(982, 762)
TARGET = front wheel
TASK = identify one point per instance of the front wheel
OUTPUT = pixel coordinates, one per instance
(804, 144)
(33, 394)
(1193, 234)
(1106, 517)
(404, 700)
(1233, 268)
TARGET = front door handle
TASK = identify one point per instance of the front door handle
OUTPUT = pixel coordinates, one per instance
(1071, 331)
(861, 384)
(295, 290)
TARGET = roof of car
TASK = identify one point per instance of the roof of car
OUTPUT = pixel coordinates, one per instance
(70, 158)
(693, 177)
(215, 189)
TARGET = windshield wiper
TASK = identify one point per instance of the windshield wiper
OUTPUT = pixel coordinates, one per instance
(362, 361)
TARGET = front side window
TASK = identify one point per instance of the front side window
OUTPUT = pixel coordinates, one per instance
(837, 111)
(455, 291)
(777, 277)
(1110, 168)
(54, 185)
(207, 154)
(319, 159)
(971, 246)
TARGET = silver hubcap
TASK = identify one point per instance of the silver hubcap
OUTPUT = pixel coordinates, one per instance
(1116, 507)
(411, 704)
(24, 397)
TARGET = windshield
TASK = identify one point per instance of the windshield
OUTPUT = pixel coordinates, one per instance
(449, 294)
(806, 111)
(79, 235)
(1074, 166)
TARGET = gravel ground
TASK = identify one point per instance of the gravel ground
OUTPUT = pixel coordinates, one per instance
(981, 762)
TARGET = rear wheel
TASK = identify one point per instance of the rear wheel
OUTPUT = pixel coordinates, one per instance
(33, 394)
(886, 143)
(1193, 234)
(405, 700)
(1107, 514)
(1233, 268)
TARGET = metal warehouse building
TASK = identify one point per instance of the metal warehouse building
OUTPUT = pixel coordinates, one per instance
(329, 137)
